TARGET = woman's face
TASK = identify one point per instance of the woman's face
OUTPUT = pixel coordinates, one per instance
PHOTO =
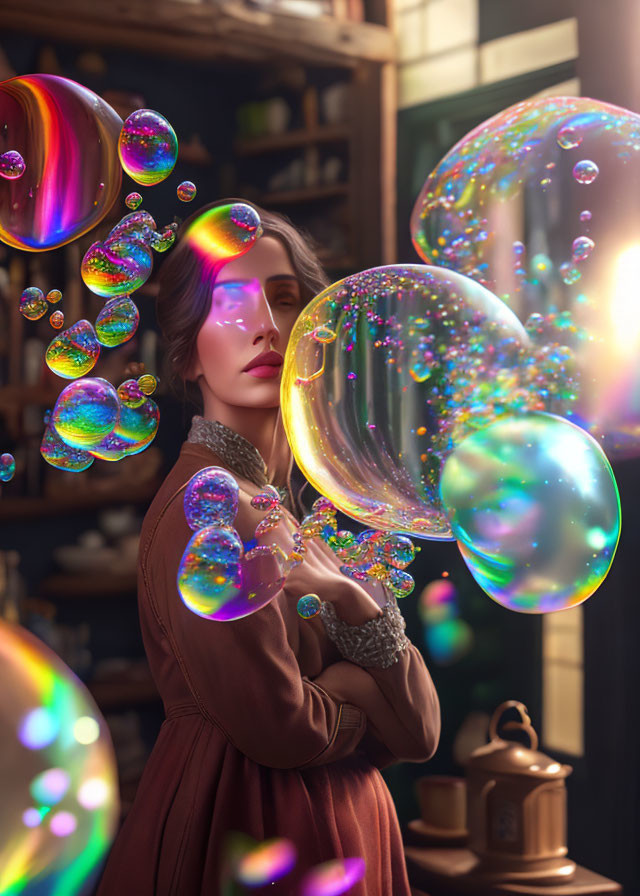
(254, 304)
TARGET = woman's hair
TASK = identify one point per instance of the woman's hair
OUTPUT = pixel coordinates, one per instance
(184, 297)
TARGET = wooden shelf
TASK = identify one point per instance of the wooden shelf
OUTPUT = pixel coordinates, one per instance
(14, 509)
(88, 584)
(305, 194)
(16, 396)
(203, 31)
(292, 140)
(122, 694)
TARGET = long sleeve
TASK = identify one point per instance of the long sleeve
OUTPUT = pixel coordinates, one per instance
(243, 675)
(401, 704)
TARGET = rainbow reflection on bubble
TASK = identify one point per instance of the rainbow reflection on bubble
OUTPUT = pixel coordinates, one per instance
(86, 411)
(51, 839)
(138, 226)
(68, 136)
(534, 505)
(62, 456)
(222, 233)
(186, 191)
(33, 304)
(333, 877)
(117, 321)
(419, 357)
(211, 498)
(148, 147)
(135, 430)
(7, 467)
(266, 863)
(133, 200)
(73, 352)
(12, 165)
(116, 268)
(506, 207)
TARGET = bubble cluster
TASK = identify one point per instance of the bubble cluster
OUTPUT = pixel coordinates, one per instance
(133, 201)
(60, 803)
(421, 357)
(33, 304)
(148, 147)
(216, 578)
(12, 165)
(186, 191)
(117, 321)
(68, 136)
(73, 352)
(534, 505)
(7, 467)
(134, 431)
(333, 878)
(506, 207)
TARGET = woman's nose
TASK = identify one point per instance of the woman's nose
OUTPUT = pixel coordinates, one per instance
(264, 326)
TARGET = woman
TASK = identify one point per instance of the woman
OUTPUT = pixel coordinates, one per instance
(274, 727)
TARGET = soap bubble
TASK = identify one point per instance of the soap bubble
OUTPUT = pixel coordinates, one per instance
(223, 232)
(130, 394)
(12, 165)
(163, 241)
(62, 456)
(211, 498)
(585, 172)
(45, 849)
(186, 191)
(582, 248)
(309, 606)
(534, 505)
(421, 356)
(57, 319)
(117, 268)
(266, 862)
(135, 430)
(448, 641)
(147, 383)
(7, 467)
(333, 877)
(138, 226)
(216, 581)
(54, 296)
(117, 321)
(133, 200)
(484, 198)
(33, 304)
(148, 147)
(68, 137)
(73, 352)
(86, 412)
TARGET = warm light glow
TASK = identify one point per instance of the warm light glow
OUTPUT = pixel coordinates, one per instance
(624, 306)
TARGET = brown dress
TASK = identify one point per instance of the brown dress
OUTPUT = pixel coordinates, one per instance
(268, 731)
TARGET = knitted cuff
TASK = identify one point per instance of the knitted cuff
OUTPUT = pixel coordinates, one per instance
(377, 642)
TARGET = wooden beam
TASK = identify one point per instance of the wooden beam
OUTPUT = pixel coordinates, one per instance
(201, 31)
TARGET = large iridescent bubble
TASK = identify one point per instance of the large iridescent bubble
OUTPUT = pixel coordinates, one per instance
(86, 411)
(384, 373)
(539, 204)
(68, 138)
(148, 147)
(57, 773)
(223, 232)
(535, 508)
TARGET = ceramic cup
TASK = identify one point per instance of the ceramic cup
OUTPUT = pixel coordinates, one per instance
(443, 802)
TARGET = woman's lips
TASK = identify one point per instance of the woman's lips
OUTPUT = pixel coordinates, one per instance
(265, 371)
